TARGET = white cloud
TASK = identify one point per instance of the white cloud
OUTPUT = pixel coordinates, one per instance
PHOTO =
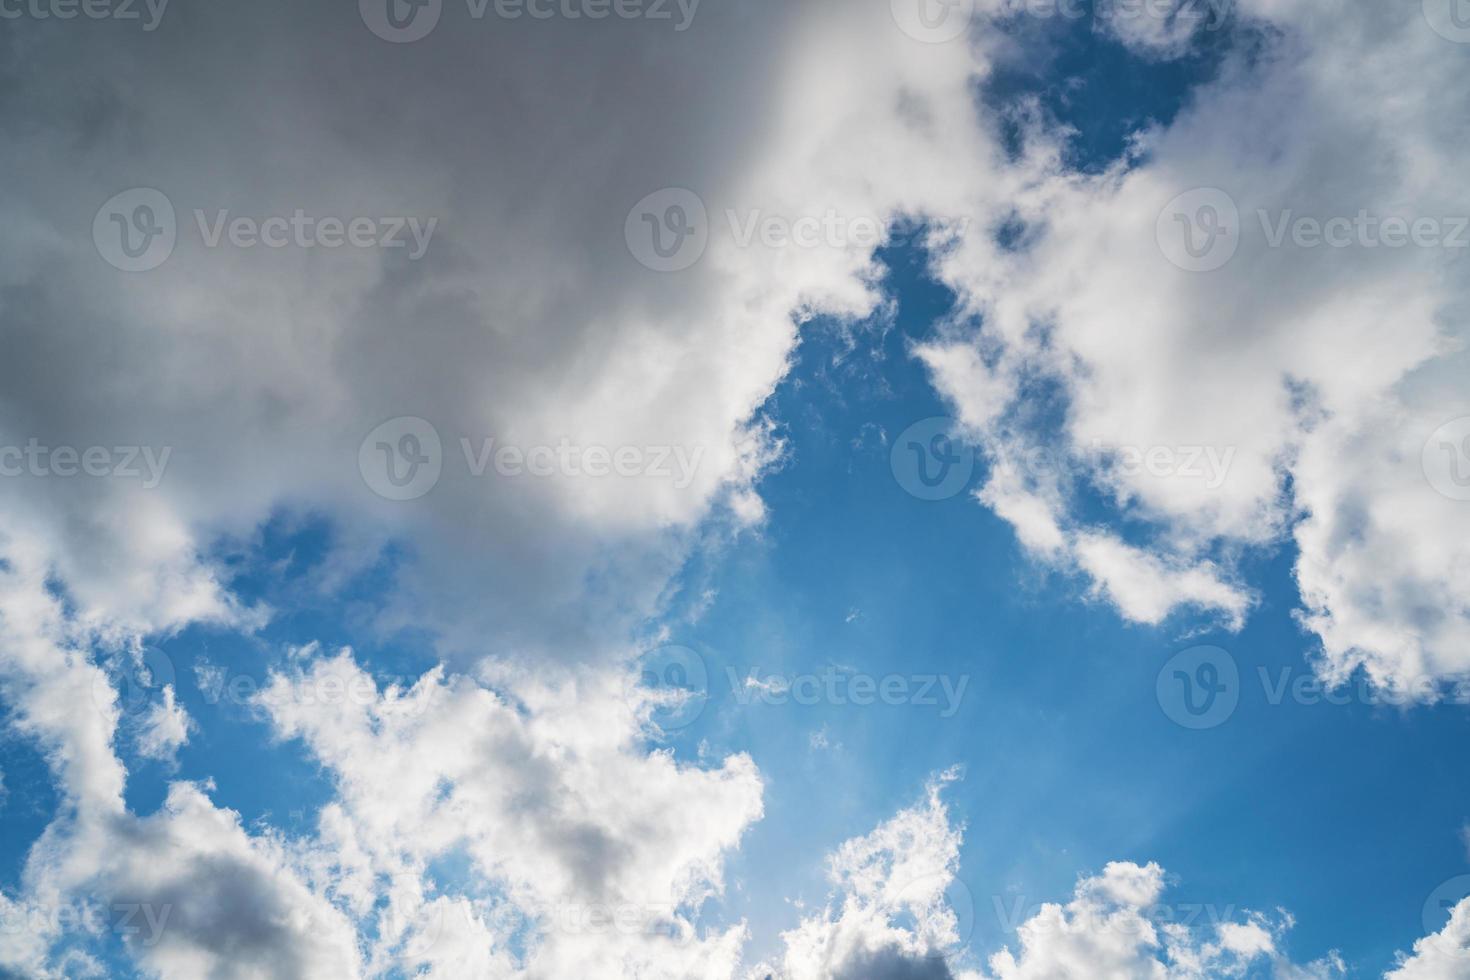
(1320, 372)
(1444, 955)
(605, 850)
(1110, 928)
(528, 320)
(165, 729)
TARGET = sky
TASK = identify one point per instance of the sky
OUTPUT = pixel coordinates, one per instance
(930, 489)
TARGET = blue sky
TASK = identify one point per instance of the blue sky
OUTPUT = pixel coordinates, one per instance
(1164, 683)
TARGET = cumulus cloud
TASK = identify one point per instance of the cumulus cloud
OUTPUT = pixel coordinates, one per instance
(889, 915)
(166, 727)
(245, 380)
(254, 375)
(1319, 371)
(1444, 955)
(1109, 928)
(603, 850)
